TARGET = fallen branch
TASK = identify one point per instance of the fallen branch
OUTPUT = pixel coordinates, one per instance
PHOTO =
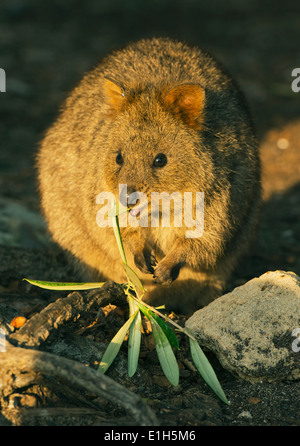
(71, 307)
(16, 362)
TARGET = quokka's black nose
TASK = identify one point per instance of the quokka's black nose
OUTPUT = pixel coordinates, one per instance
(128, 197)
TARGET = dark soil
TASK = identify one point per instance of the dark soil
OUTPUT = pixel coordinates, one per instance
(45, 49)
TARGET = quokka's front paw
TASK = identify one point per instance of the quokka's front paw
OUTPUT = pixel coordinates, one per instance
(145, 261)
(165, 273)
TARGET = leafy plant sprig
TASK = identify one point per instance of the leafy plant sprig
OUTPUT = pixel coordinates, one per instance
(164, 337)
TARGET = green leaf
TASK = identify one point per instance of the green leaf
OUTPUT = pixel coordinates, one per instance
(165, 353)
(172, 338)
(117, 232)
(115, 345)
(134, 339)
(65, 285)
(206, 371)
(163, 325)
(133, 278)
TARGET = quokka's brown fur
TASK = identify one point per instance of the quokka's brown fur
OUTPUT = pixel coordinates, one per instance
(154, 97)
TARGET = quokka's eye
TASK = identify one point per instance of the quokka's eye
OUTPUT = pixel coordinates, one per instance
(160, 160)
(119, 159)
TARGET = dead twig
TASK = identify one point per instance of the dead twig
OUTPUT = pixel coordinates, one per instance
(16, 362)
(72, 307)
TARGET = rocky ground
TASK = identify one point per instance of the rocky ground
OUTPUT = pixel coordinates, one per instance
(45, 49)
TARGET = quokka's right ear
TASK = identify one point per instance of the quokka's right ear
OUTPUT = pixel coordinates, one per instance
(186, 101)
(114, 93)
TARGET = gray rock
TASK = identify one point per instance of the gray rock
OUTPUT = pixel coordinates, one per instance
(253, 329)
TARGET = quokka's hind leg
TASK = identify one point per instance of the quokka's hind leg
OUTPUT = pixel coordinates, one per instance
(186, 295)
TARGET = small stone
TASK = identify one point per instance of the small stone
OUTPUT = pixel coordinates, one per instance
(254, 400)
(245, 414)
(161, 381)
(18, 321)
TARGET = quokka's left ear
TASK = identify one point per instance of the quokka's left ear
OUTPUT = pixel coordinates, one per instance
(186, 101)
(114, 94)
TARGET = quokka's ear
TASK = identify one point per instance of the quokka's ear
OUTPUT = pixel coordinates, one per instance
(114, 93)
(187, 102)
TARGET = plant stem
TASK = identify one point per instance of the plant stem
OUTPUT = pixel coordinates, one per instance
(118, 237)
(166, 318)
